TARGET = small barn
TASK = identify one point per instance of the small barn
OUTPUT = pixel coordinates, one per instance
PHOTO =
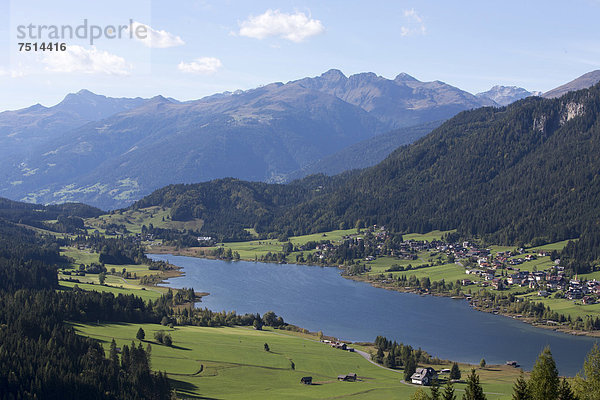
(351, 377)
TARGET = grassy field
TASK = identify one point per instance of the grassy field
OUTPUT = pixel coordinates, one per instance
(235, 365)
(428, 237)
(134, 219)
(558, 246)
(87, 257)
(539, 264)
(146, 294)
(113, 283)
(447, 272)
(257, 248)
(565, 306)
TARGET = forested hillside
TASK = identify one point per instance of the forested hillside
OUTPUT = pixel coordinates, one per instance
(366, 153)
(227, 206)
(525, 173)
(40, 355)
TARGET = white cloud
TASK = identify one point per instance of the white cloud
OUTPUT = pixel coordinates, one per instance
(295, 27)
(202, 65)
(152, 38)
(415, 24)
(89, 61)
(13, 73)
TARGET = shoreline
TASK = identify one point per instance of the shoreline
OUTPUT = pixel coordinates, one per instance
(195, 252)
(518, 317)
(175, 272)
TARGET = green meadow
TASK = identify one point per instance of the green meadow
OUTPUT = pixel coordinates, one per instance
(256, 248)
(146, 294)
(116, 284)
(427, 237)
(231, 363)
(447, 272)
(565, 306)
(134, 219)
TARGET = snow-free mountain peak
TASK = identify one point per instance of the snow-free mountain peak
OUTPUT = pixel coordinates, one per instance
(504, 95)
(404, 77)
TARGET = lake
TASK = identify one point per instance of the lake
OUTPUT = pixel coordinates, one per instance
(318, 298)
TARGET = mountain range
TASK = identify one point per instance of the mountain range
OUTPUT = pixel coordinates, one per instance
(110, 152)
(527, 173)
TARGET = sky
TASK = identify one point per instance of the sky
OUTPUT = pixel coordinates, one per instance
(188, 49)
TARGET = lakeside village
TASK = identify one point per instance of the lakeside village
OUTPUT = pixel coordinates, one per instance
(499, 270)
(499, 280)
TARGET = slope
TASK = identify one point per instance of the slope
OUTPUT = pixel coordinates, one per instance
(526, 172)
(365, 153)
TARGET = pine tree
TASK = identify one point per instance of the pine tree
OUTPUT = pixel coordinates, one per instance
(409, 368)
(544, 383)
(140, 335)
(565, 392)
(379, 356)
(435, 390)
(114, 358)
(587, 383)
(473, 391)
(390, 360)
(448, 391)
(455, 372)
(125, 360)
(149, 355)
(520, 389)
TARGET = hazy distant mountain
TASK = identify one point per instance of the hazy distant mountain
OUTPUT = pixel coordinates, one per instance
(583, 82)
(20, 130)
(365, 153)
(404, 101)
(253, 135)
(109, 152)
(504, 95)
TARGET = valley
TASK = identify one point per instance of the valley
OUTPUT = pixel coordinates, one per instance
(490, 210)
(307, 200)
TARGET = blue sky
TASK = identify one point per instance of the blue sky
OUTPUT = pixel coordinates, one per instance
(202, 47)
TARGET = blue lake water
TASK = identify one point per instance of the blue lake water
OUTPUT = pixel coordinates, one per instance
(318, 298)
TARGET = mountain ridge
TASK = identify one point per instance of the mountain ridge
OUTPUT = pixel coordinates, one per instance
(258, 134)
(583, 82)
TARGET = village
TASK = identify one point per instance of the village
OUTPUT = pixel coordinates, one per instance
(500, 270)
